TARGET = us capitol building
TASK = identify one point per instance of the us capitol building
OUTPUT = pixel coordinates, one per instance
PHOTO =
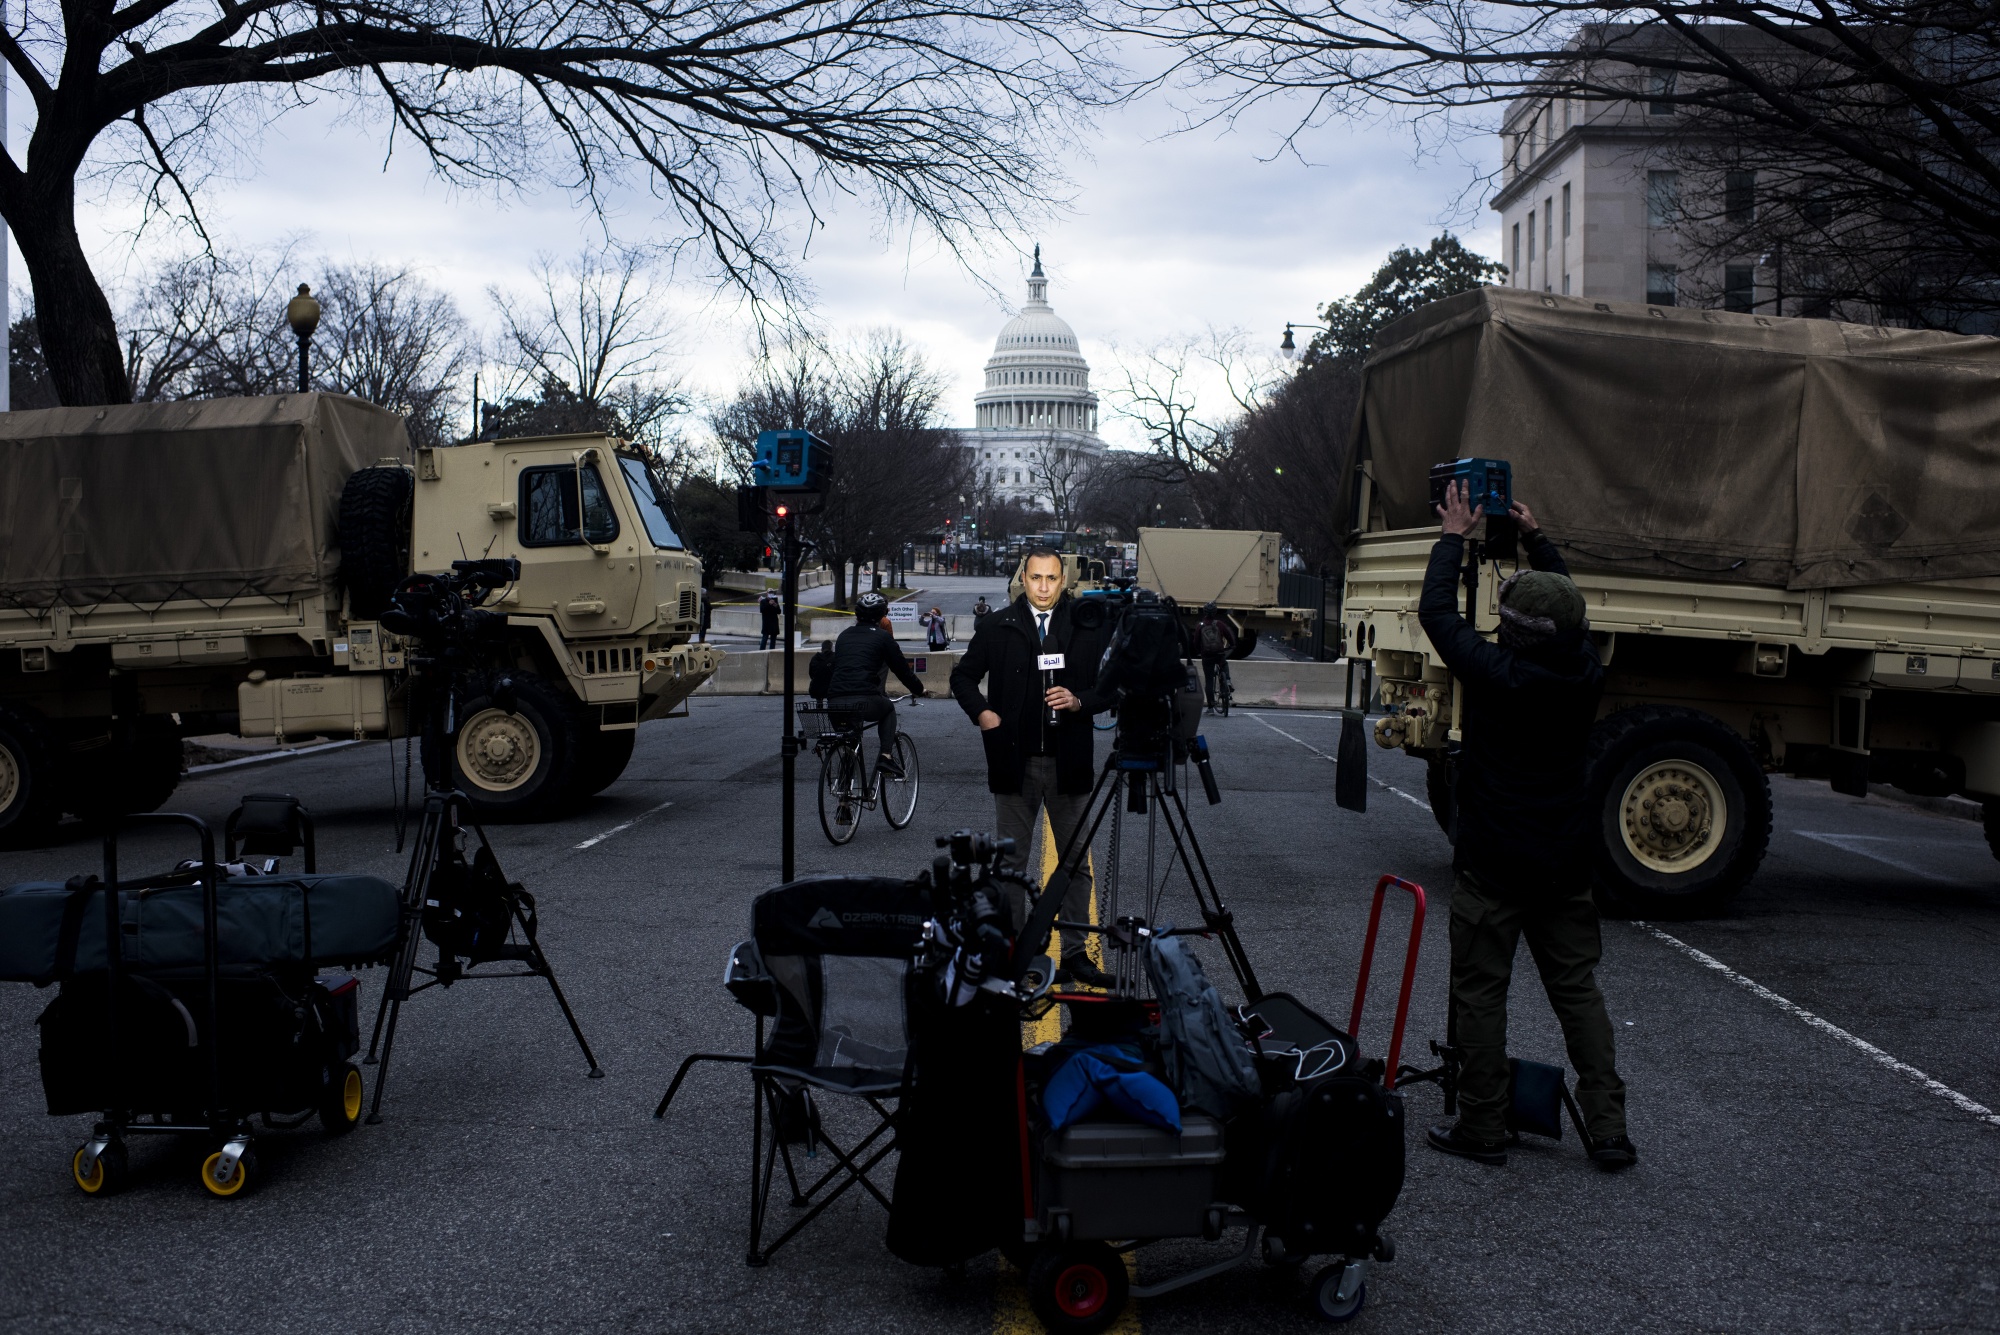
(1037, 401)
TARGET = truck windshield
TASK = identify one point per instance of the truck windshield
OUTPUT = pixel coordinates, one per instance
(655, 509)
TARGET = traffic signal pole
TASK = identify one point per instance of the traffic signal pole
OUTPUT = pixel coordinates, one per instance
(788, 748)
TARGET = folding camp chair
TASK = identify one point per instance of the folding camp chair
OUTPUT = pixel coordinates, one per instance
(824, 973)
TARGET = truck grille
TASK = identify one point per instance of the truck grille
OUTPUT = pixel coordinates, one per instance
(597, 662)
(688, 603)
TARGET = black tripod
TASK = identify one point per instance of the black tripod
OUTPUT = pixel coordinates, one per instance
(469, 908)
(1141, 771)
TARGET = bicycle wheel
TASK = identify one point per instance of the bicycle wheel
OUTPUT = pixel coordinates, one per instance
(837, 809)
(899, 796)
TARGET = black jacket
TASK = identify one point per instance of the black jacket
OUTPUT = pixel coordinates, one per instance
(769, 610)
(863, 658)
(1523, 802)
(1003, 654)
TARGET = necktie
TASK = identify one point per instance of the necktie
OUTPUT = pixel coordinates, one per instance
(1042, 619)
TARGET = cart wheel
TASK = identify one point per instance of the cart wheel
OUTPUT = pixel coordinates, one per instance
(1339, 1292)
(106, 1175)
(340, 1100)
(1278, 1254)
(1077, 1287)
(238, 1181)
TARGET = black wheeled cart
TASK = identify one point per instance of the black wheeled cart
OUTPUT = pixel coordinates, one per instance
(208, 1017)
(1310, 1168)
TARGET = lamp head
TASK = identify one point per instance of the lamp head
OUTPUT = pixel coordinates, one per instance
(302, 312)
(1288, 349)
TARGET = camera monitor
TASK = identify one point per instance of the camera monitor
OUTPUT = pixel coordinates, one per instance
(792, 461)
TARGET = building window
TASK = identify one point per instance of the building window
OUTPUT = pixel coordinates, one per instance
(1528, 273)
(1817, 210)
(1739, 288)
(1548, 223)
(1739, 196)
(1661, 84)
(1565, 284)
(1565, 208)
(1516, 266)
(1662, 284)
(1663, 198)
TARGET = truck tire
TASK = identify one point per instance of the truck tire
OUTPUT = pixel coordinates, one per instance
(104, 777)
(1992, 813)
(1245, 643)
(1438, 788)
(1684, 811)
(30, 779)
(604, 757)
(374, 537)
(519, 765)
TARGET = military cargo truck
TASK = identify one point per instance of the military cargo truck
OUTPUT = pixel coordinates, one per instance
(1787, 532)
(221, 565)
(1236, 569)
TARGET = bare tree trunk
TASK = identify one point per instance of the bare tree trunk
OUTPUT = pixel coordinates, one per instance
(839, 583)
(79, 333)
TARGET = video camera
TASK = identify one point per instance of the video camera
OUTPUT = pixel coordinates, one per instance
(1159, 705)
(440, 612)
(968, 943)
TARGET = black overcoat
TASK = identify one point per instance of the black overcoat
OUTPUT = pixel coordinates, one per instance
(1003, 655)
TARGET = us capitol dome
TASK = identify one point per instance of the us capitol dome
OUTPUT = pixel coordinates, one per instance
(1037, 400)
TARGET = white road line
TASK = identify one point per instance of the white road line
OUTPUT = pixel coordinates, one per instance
(1861, 1045)
(1336, 764)
(597, 839)
(1853, 843)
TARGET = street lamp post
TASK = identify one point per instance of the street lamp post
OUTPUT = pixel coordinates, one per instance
(1288, 349)
(302, 314)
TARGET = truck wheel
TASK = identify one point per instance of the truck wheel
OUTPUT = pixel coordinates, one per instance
(1684, 810)
(1245, 643)
(30, 793)
(1992, 812)
(374, 537)
(106, 778)
(520, 765)
(603, 759)
(1437, 787)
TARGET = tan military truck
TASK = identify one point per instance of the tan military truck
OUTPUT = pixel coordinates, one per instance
(1787, 532)
(220, 565)
(1236, 569)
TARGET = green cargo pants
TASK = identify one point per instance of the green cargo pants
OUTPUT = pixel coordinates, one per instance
(1564, 940)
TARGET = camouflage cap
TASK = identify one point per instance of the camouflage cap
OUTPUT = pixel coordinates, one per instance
(1543, 593)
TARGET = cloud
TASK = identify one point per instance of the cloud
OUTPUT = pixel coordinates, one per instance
(1169, 233)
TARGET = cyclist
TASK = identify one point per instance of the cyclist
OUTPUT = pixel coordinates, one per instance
(1215, 637)
(863, 657)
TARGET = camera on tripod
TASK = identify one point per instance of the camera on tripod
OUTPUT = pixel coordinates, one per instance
(968, 943)
(1159, 706)
(441, 612)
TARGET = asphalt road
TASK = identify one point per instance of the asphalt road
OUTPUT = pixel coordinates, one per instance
(1788, 1181)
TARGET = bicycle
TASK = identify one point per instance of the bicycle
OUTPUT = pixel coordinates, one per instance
(846, 785)
(1225, 690)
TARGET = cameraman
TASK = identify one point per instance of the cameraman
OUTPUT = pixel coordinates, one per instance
(863, 657)
(1031, 765)
(1522, 850)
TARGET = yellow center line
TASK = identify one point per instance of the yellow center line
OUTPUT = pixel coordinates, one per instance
(1011, 1313)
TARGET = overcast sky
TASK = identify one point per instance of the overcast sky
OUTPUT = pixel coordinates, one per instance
(1169, 234)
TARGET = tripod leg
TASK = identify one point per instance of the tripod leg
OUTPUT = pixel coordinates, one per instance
(540, 964)
(395, 1009)
(375, 1039)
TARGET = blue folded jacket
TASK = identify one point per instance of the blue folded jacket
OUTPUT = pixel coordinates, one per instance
(1087, 1080)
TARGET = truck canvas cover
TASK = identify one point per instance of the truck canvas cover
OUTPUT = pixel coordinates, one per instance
(199, 498)
(1691, 443)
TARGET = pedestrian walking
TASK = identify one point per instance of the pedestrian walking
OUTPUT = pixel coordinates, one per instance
(1522, 851)
(769, 611)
